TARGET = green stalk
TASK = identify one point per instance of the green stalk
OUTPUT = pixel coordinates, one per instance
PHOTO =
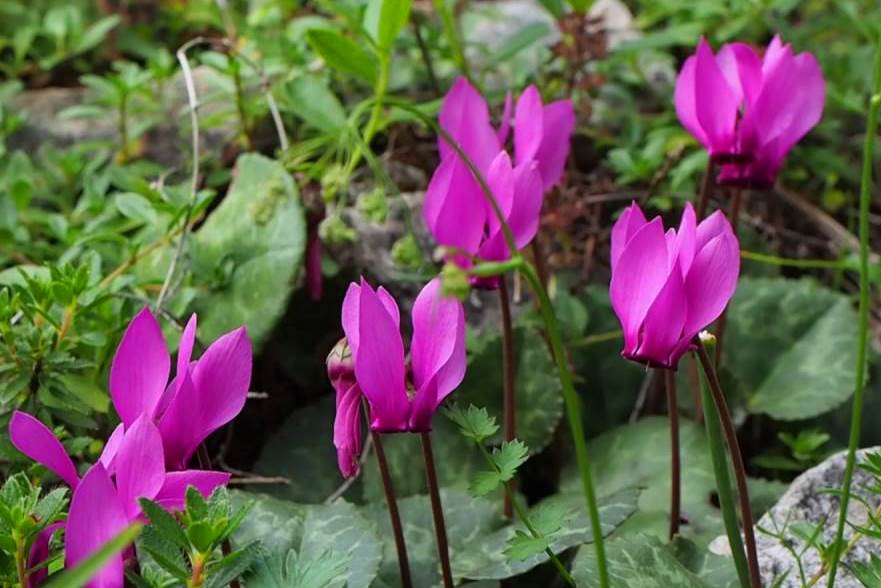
(723, 482)
(524, 518)
(379, 94)
(573, 412)
(862, 342)
(451, 32)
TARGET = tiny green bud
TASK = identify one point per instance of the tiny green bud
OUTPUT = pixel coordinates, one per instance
(708, 339)
(454, 282)
(374, 205)
(334, 178)
(406, 252)
(333, 230)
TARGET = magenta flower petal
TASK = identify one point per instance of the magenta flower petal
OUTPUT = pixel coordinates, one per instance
(39, 553)
(390, 304)
(716, 102)
(347, 427)
(350, 314)
(662, 329)
(424, 404)
(379, 363)
(526, 211)
(174, 491)
(630, 221)
(639, 276)
(140, 368)
(505, 126)
(710, 228)
(95, 517)
(711, 282)
(140, 465)
(500, 178)
(558, 125)
(184, 357)
(454, 208)
(35, 440)
(222, 377)
(686, 238)
(528, 125)
(685, 101)
(180, 425)
(742, 69)
(438, 347)
(111, 448)
(465, 116)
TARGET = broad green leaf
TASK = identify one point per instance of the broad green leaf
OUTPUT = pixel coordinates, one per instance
(255, 239)
(343, 54)
(281, 570)
(96, 33)
(304, 445)
(313, 531)
(790, 347)
(485, 558)
(641, 561)
(136, 207)
(309, 98)
(384, 20)
(716, 570)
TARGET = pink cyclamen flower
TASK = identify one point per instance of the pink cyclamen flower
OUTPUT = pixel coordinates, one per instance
(667, 287)
(749, 111)
(456, 210)
(105, 500)
(402, 395)
(203, 396)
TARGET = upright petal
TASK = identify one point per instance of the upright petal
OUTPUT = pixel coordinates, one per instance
(379, 363)
(686, 238)
(711, 282)
(638, 278)
(424, 405)
(526, 211)
(662, 328)
(222, 377)
(390, 304)
(139, 371)
(174, 491)
(742, 69)
(180, 425)
(95, 517)
(35, 440)
(347, 427)
(776, 49)
(558, 125)
(505, 126)
(111, 448)
(630, 221)
(40, 553)
(454, 208)
(140, 465)
(685, 101)
(528, 125)
(465, 116)
(184, 357)
(716, 103)
(350, 314)
(437, 349)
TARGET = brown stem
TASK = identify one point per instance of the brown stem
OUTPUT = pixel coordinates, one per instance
(437, 511)
(703, 200)
(733, 216)
(394, 515)
(675, 476)
(736, 459)
(509, 397)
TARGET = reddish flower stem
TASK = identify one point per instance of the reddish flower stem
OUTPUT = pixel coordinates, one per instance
(509, 394)
(746, 515)
(393, 513)
(675, 467)
(437, 511)
(703, 200)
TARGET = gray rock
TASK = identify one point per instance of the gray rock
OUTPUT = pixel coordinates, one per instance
(806, 504)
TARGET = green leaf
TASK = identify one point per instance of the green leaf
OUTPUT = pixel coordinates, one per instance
(312, 531)
(384, 20)
(343, 54)
(485, 557)
(87, 391)
(303, 444)
(484, 483)
(83, 572)
(291, 571)
(509, 457)
(309, 98)
(165, 523)
(258, 233)
(789, 347)
(136, 207)
(96, 33)
(640, 561)
(526, 36)
(476, 424)
(523, 546)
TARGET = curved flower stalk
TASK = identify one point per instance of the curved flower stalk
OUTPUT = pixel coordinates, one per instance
(667, 287)
(105, 500)
(749, 111)
(203, 396)
(456, 211)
